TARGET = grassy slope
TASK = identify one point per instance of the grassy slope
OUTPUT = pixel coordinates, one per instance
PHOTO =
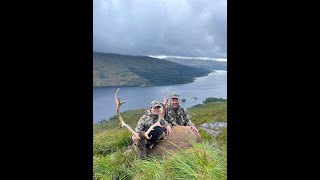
(206, 64)
(207, 160)
(123, 70)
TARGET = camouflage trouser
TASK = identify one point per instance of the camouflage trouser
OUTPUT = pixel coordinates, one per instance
(157, 134)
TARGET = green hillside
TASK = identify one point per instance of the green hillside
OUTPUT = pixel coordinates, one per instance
(206, 64)
(124, 70)
(205, 160)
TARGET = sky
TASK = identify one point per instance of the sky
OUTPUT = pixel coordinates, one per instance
(192, 28)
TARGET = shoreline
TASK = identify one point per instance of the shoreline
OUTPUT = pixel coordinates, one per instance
(147, 86)
(106, 120)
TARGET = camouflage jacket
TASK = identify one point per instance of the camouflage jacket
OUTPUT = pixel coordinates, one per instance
(177, 116)
(147, 120)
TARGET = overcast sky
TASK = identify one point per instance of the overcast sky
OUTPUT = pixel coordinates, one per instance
(161, 27)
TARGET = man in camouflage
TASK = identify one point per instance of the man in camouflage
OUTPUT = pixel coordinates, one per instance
(176, 115)
(149, 118)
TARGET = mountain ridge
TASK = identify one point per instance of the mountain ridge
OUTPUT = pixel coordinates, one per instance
(110, 69)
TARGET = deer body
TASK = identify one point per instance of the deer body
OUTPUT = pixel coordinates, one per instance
(181, 137)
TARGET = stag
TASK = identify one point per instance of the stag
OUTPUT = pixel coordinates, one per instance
(181, 136)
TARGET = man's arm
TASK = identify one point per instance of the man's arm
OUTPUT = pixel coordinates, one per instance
(167, 121)
(188, 121)
(167, 118)
(187, 118)
(164, 123)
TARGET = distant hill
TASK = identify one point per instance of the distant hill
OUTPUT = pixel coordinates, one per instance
(124, 70)
(206, 64)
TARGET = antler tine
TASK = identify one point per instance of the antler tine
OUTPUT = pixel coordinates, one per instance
(118, 104)
(122, 123)
(117, 99)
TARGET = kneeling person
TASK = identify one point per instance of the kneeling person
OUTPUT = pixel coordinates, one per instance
(149, 118)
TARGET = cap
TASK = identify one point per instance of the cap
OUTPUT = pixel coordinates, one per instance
(155, 103)
(174, 95)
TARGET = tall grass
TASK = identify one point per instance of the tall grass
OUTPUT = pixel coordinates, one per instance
(152, 168)
(112, 166)
(110, 141)
(203, 160)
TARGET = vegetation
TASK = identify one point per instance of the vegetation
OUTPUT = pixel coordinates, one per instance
(209, 112)
(204, 160)
(206, 64)
(214, 100)
(124, 70)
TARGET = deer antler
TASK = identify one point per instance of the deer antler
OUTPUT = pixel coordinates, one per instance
(159, 119)
(122, 123)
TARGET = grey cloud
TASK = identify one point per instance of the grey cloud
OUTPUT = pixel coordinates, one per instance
(161, 27)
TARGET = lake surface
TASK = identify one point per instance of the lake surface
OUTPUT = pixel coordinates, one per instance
(104, 107)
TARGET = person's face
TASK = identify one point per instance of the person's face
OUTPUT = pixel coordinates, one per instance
(156, 110)
(174, 102)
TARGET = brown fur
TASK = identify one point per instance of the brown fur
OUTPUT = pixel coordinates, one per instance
(181, 137)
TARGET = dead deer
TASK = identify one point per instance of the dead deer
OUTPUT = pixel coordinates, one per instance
(181, 136)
